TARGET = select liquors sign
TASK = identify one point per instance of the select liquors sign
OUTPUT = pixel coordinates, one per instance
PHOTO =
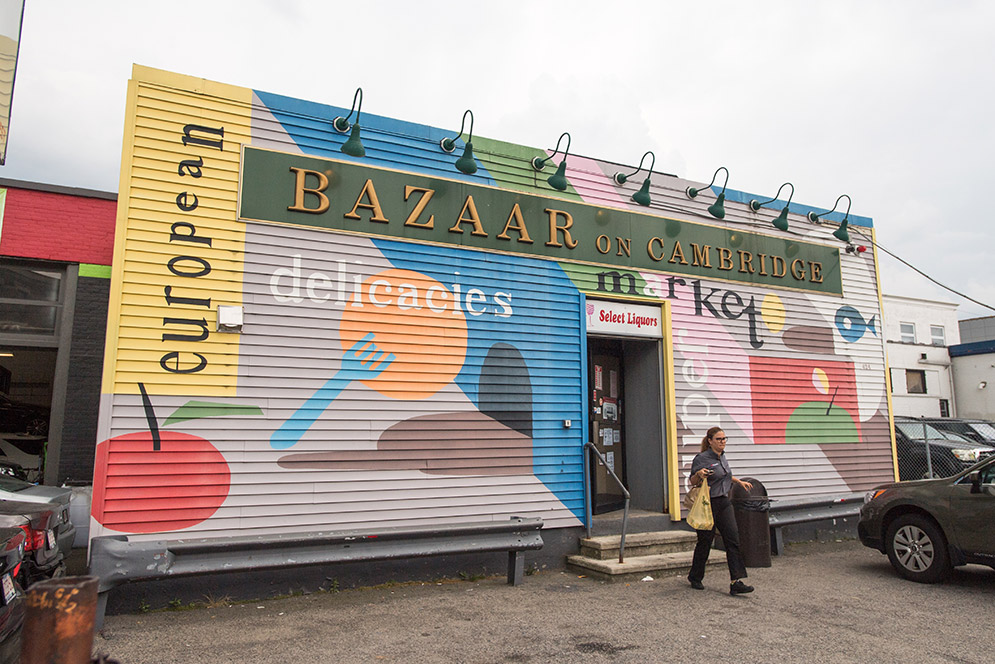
(344, 196)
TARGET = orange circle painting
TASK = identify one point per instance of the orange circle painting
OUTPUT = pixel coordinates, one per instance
(418, 320)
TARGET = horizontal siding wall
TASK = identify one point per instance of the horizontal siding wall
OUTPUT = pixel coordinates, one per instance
(465, 421)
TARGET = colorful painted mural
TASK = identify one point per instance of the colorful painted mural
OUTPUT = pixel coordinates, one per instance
(395, 368)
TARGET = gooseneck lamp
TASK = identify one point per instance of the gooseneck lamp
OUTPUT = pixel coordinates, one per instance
(466, 163)
(716, 209)
(781, 223)
(840, 233)
(353, 146)
(643, 195)
(557, 180)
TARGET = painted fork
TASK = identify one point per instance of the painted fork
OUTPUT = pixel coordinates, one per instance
(361, 362)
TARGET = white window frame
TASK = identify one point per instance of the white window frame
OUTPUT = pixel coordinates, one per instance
(938, 339)
(907, 337)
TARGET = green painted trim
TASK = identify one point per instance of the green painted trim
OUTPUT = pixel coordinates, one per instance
(95, 271)
(193, 410)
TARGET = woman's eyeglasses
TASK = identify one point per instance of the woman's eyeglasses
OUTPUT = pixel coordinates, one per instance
(720, 440)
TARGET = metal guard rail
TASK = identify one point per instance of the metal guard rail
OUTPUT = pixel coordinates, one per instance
(789, 511)
(118, 559)
(587, 495)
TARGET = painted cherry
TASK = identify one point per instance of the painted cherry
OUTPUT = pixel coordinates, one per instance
(152, 481)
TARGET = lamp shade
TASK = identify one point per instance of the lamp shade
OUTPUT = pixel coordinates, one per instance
(781, 223)
(466, 163)
(643, 195)
(841, 232)
(354, 147)
(717, 209)
(558, 180)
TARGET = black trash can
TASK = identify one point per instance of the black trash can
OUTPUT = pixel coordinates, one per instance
(752, 510)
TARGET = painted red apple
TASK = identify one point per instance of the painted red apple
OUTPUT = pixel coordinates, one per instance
(156, 481)
(138, 489)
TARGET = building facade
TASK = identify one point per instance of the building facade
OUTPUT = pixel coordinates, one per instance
(919, 333)
(304, 334)
(56, 247)
(974, 368)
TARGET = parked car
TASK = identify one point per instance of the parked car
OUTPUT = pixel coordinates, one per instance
(979, 431)
(21, 417)
(927, 527)
(11, 600)
(924, 451)
(41, 525)
(49, 531)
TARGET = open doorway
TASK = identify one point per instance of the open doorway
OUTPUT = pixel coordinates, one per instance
(27, 377)
(627, 422)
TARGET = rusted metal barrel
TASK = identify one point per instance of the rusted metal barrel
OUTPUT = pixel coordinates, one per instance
(58, 621)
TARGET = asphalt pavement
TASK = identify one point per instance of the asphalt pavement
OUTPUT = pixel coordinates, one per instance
(821, 602)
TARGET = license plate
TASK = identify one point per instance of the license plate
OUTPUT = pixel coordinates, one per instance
(8, 589)
(50, 536)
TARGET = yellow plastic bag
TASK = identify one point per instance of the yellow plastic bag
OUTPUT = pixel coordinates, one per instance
(700, 516)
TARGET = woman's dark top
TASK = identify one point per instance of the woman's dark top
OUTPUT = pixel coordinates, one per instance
(720, 481)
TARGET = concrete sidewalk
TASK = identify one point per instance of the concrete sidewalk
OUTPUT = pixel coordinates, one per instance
(821, 602)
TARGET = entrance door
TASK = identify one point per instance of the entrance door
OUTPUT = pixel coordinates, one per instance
(607, 432)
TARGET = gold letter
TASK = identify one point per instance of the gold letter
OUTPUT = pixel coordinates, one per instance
(624, 244)
(649, 249)
(816, 269)
(300, 189)
(474, 218)
(523, 232)
(373, 205)
(677, 252)
(778, 262)
(763, 265)
(554, 230)
(725, 259)
(603, 240)
(796, 271)
(412, 219)
(699, 255)
(745, 261)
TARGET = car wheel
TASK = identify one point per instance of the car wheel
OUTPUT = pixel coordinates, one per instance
(37, 427)
(917, 549)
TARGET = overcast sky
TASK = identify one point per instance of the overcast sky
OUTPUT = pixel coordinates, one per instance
(889, 102)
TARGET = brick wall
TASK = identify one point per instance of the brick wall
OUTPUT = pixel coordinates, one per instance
(86, 361)
(58, 226)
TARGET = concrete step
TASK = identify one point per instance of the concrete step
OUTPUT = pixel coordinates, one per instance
(635, 568)
(638, 544)
(640, 521)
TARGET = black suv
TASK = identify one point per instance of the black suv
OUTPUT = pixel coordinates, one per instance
(929, 526)
(924, 451)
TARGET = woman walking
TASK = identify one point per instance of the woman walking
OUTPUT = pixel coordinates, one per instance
(711, 463)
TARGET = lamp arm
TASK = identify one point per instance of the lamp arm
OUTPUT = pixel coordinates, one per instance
(814, 218)
(449, 144)
(755, 205)
(342, 123)
(539, 164)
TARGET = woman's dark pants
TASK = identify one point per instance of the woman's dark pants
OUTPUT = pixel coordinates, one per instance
(725, 523)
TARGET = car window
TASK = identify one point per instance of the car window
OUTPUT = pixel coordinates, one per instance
(985, 429)
(915, 430)
(988, 474)
(13, 484)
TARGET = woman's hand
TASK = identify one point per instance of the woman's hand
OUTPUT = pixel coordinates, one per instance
(746, 485)
(701, 475)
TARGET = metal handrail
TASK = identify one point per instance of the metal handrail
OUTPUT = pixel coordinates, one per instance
(587, 495)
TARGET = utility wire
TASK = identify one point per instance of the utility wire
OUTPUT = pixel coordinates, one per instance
(913, 267)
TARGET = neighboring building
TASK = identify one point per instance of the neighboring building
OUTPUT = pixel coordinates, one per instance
(977, 329)
(56, 245)
(974, 368)
(918, 333)
(300, 339)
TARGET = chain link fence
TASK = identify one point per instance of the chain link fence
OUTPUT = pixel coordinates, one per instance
(930, 448)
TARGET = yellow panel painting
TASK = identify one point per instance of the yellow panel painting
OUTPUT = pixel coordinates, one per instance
(178, 246)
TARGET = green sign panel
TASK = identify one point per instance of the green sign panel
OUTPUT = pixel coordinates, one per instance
(326, 193)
